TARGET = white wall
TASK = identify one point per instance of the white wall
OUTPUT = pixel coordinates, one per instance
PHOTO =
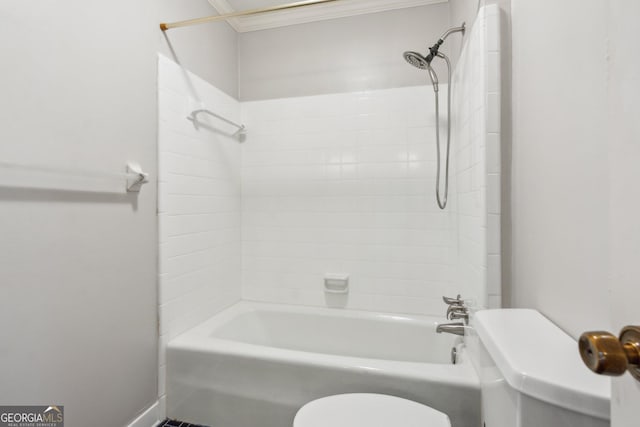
(477, 144)
(78, 268)
(461, 11)
(464, 11)
(467, 11)
(340, 55)
(560, 176)
(199, 204)
(345, 183)
(209, 51)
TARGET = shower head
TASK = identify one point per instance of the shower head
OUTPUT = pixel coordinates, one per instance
(424, 63)
(417, 60)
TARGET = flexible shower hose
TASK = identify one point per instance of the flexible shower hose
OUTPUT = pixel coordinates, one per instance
(442, 202)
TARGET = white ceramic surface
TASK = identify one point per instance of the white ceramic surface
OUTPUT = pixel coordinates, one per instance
(476, 146)
(355, 334)
(540, 360)
(198, 205)
(257, 364)
(368, 410)
(344, 183)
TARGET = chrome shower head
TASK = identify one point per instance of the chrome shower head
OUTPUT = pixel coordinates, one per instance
(417, 60)
(424, 63)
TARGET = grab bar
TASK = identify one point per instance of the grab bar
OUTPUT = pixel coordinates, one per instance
(194, 113)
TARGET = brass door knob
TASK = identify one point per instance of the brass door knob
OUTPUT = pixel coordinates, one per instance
(605, 354)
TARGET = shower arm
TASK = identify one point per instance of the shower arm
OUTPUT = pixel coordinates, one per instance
(453, 30)
(434, 50)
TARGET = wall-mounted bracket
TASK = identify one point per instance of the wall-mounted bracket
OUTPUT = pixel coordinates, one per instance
(136, 178)
(336, 283)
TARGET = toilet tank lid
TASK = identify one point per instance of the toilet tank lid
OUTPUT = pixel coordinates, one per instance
(539, 359)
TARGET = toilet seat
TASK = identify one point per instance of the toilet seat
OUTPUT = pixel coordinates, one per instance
(368, 410)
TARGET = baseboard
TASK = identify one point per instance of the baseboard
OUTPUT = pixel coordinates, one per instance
(149, 418)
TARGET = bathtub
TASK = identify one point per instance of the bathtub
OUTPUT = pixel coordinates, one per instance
(255, 365)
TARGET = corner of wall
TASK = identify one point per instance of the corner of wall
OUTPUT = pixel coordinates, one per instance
(477, 132)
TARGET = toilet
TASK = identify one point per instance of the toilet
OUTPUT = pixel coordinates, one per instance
(530, 372)
(368, 410)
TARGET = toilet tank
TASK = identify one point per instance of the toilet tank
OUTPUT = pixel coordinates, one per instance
(531, 373)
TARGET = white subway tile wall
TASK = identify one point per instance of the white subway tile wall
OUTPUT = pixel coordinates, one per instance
(199, 199)
(344, 183)
(476, 136)
(339, 183)
(491, 20)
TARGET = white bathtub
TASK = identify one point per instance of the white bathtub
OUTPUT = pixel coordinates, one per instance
(255, 365)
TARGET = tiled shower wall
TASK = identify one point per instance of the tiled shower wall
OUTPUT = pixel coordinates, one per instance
(340, 183)
(476, 136)
(198, 204)
(344, 183)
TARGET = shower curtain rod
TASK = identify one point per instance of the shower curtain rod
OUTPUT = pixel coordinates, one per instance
(168, 25)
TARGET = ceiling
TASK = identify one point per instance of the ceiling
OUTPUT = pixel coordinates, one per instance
(337, 9)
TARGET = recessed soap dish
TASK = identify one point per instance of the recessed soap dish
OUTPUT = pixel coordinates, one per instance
(336, 283)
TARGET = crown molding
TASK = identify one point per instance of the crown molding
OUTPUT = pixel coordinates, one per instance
(319, 12)
(223, 7)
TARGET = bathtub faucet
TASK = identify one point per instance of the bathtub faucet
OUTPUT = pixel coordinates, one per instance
(456, 328)
(457, 309)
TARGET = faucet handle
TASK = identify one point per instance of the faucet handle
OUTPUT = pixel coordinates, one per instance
(455, 308)
(458, 300)
(460, 315)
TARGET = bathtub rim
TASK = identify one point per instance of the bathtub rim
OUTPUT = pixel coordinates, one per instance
(199, 339)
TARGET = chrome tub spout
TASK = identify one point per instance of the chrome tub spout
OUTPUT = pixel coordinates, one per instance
(456, 328)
